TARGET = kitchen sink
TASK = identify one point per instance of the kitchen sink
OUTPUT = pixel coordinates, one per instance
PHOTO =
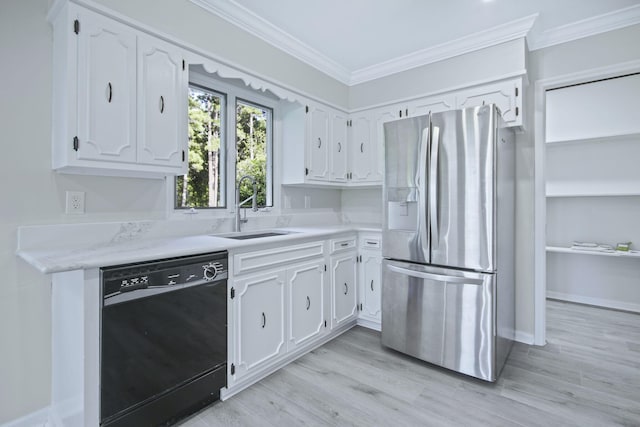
(252, 235)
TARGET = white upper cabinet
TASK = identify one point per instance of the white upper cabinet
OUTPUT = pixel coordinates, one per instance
(365, 150)
(435, 104)
(119, 99)
(507, 95)
(339, 147)
(106, 89)
(162, 112)
(317, 143)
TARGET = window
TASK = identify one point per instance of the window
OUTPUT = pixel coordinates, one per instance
(253, 147)
(204, 184)
(215, 129)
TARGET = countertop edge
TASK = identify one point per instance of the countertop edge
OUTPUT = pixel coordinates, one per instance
(58, 260)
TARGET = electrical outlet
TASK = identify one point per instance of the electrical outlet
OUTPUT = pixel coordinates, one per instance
(75, 202)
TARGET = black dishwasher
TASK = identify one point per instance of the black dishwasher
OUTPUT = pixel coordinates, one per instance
(163, 345)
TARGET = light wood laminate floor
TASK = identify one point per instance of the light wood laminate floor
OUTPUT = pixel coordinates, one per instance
(587, 375)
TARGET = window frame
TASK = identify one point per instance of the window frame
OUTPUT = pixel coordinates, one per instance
(232, 92)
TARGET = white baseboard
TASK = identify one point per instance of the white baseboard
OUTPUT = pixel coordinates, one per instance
(524, 337)
(370, 324)
(599, 302)
(39, 418)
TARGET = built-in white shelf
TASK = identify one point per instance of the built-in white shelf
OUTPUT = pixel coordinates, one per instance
(559, 249)
(599, 139)
(592, 188)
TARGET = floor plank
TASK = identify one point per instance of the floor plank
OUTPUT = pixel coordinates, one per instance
(588, 374)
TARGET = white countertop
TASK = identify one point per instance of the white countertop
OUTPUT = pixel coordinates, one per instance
(115, 253)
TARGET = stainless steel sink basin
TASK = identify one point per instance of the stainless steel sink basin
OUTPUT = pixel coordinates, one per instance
(252, 235)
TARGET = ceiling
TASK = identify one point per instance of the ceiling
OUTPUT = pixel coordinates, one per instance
(359, 40)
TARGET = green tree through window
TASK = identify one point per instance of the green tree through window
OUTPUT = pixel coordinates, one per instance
(204, 185)
(252, 127)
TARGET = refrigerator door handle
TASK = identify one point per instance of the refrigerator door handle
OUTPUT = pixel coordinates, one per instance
(439, 277)
(433, 183)
(421, 183)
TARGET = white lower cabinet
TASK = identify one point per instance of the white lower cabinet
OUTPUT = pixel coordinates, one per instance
(370, 284)
(259, 321)
(370, 279)
(343, 288)
(307, 317)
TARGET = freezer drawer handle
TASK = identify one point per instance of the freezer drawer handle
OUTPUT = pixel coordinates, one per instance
(432, 276)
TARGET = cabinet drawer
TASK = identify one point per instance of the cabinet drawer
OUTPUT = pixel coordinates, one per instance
(269, 258)
(342, 244)
(370, 242)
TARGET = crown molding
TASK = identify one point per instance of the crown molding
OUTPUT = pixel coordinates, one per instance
(244, 18)
(480, 40)
(236, 14)
(586, 27)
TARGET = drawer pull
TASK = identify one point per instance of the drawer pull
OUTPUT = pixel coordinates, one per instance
(308, 303)
(346, 289)
(344, 244)
(110, 97)
(371, 285)
(264, 320)
(161, 104)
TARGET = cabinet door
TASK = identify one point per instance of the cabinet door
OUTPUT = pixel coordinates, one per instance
(306, 302)
(424, 106)
(162, 108)
(370, 271)
(106, 90)
(259, 320)
(317, 151)
(343, 288)
(339, 147)
(380, 117)
(364, 151)
(506, 95)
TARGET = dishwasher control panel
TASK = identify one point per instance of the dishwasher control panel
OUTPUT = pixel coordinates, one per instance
(165, 273)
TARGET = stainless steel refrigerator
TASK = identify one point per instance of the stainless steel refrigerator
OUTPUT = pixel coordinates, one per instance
(448, 292)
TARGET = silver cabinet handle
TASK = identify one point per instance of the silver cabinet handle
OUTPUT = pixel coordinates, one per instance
(346, 288)
(371, 285)
(161, 104)
(339, 147)
(362, 147)
(438, 277)
(308, 303)
(110, 97)
(264, 320)
(319, 142)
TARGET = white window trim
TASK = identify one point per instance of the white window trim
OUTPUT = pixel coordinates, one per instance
(232, 93)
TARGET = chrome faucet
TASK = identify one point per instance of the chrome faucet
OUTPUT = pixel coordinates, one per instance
(253, 198)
